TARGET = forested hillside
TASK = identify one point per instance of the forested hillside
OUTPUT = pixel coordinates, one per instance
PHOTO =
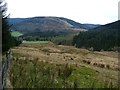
(101, 38)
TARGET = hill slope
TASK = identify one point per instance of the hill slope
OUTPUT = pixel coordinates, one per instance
(109, 26)
(103, 37)
(57, 24)
(79, 25)
(16, 20)
(43, 24)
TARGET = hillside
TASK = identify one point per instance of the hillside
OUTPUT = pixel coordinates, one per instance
(90, 26)
(16, 20)
(45, 28)
(114, 25)
(79, 25)
(43, 24)
(57, 24)
(104, 37)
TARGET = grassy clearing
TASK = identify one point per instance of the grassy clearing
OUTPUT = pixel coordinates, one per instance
(16, 34)
(35, 42)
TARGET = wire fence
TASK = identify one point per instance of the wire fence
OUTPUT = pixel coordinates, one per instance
(5, 67)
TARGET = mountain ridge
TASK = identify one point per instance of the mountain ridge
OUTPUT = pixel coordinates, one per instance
(48, 23)
(109, 26)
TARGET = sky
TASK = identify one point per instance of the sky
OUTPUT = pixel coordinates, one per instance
(82, 11)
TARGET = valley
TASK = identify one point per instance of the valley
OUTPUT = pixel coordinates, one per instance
(56, 52)
(49, 44)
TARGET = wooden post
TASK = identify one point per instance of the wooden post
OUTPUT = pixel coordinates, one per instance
(0, 48)
(5, 68)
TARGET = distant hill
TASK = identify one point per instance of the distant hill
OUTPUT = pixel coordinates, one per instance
(90, 26)
(16, 20)
(44, 28)
(79, 25)
(114, 25)
(104, 37)
(43, 24)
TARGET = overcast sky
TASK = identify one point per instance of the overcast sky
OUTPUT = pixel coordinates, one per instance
(83, 11)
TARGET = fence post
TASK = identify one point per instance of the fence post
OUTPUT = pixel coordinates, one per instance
(5, 68)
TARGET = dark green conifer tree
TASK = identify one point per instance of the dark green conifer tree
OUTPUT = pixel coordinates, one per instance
(7, 40)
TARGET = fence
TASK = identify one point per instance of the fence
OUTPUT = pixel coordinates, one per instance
(5, 67)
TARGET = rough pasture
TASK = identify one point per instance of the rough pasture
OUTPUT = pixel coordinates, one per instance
(78, 63)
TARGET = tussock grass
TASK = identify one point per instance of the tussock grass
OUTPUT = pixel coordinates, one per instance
(52, 66)
(39, 74)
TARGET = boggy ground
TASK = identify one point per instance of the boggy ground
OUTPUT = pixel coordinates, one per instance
(58, 66)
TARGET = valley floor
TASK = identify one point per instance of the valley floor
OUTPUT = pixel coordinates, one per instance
(58, 66)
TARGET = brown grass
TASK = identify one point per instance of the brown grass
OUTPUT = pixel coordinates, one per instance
(103, 62)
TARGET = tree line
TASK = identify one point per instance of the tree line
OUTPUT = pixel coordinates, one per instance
(98, 40)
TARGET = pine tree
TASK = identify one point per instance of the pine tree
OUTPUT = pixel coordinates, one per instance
(7, 40)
